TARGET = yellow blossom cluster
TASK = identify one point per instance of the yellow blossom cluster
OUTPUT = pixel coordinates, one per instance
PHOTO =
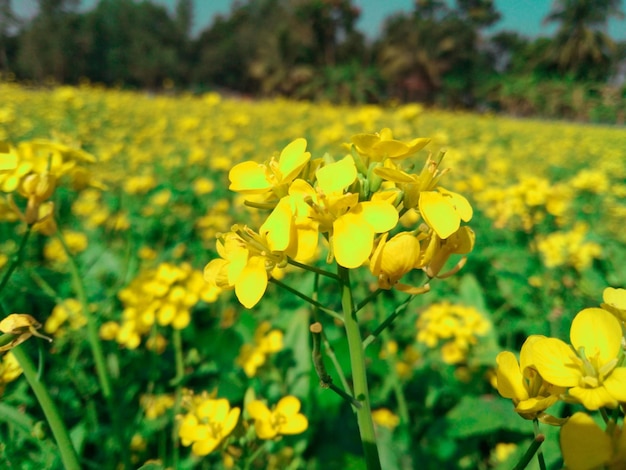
(266, 341)
(76, 242)
(457, 326)
(568, 248)
(66, 315)
(163, 296)
(350, 201)
(589, 371)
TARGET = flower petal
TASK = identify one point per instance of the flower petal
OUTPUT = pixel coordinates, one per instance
(292, 159)
(510, 382)
(336, 177)
(288, 406)
(439, 213)
(382, 216)
(353, 239)
(615, 384)
(258, 410)
(248, 178)
(584, 444)
(277, 228)
(556, 362)
(599, 332)
(252, 282)
(593, 398)
(295, 425)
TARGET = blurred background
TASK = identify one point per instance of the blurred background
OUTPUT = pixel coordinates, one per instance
(562, 58)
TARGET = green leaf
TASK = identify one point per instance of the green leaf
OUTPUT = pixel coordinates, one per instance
(471, 293)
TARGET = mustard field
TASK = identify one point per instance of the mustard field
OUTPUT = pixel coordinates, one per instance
(214, 282)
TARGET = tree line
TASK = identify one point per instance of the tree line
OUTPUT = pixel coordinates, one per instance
(440, 52)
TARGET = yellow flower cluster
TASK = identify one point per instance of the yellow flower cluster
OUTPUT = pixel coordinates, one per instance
(589, 370)
(457, 326)
(76, 243)
(266, 342)
(209, 421)
(163, 296)
(156, 405)
(68, 314)
(349, 201)
(568, 248)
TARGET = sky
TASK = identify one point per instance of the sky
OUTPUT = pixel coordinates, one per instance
(523, 16)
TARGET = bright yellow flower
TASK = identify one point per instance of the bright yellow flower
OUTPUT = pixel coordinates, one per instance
(244, 265)
(521, 383)
(589, 371)
(208, 425)
(382, 145)
(443, 210)
(585, 446)
(276, 176)
(385, 418)
(285, 418)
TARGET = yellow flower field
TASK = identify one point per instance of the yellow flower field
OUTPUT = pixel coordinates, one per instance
(273, 284)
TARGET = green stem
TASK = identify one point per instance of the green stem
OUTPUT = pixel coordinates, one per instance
(529, 454)
(359, 375)
(255, 455)
(539, 438)
(68, 454)
(305, 297)
(17, 260)
(178, 381)
(313, 269)
(367, 300)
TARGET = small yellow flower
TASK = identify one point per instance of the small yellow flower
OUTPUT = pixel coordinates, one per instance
(521, 383)
(285, 418)
(385, 418)
(382, 145)
(615, 302)
(590, 370)
(211, 421)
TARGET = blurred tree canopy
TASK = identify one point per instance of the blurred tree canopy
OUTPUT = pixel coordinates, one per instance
(311, 49)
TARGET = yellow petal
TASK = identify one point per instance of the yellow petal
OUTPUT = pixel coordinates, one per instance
(615, 384)
(205, 447)
(258, 410)
(252, 282)
(248, 178)
(439, 213)
(231, 421)
(510, 381)
(526, 357)
(462, 205)
(556, 362)
(237, 263)
(292, 159)
(278, 226)
(334, 178)
(615, 297)
(288, 406)
(382, 216)
(353, 239)
(593, 398)
(583, 444)
(295, 425)
(598, 332)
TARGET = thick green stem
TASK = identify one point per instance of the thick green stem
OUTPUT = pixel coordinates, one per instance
(359, 375)
(68, 454)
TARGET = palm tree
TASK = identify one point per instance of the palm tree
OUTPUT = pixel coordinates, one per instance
(581, 45)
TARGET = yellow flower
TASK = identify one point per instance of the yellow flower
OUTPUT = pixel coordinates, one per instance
(589, 371)
(521, 383)
(385, 418)
(208, 425)
(254, 178)
(244, 265)
(382, 145)
(266, 341)
(585, 446)
(285, 418)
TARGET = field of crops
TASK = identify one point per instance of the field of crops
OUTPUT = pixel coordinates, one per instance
(344, 300)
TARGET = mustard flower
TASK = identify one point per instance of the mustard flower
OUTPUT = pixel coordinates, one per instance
(443, 210)
(385, 418)
(521, 382)
(273, 176)
(244, 265)
(266, 342)
(589, 368)
(205, 428)
(285, 418)
(585, 446)
(10, 370)
(382, 145)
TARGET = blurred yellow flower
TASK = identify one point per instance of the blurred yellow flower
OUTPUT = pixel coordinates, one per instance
(206, 427)
(385, 418)
(285, 418)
